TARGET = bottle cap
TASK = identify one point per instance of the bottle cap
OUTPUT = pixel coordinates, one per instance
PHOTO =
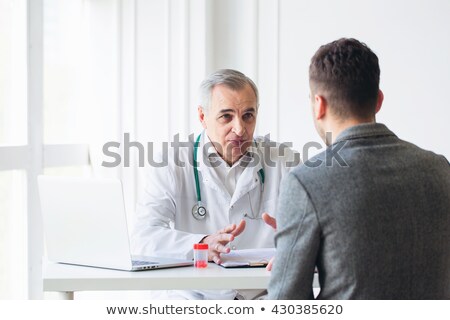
(200, 246)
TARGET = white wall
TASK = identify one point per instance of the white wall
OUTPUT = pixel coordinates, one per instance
(180, 42)
(412, 41)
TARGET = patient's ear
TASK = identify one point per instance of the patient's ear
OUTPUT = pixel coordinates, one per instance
(320, 107)
(379, 101)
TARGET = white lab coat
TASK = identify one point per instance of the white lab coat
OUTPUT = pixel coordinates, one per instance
(165, 226)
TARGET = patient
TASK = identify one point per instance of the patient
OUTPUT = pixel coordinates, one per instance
(375, 220)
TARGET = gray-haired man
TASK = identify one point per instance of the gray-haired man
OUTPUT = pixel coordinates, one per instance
(222, 200)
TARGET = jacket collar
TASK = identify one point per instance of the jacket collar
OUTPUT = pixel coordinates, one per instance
(364, 130)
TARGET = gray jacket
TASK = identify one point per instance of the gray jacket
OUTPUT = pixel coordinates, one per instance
(375, 223)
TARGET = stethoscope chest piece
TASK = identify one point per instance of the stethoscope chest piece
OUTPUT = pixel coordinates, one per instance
(199, 211)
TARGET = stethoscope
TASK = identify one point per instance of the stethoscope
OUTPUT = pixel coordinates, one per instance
(199, 210)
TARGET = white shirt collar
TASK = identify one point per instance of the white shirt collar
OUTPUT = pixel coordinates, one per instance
(221, 172)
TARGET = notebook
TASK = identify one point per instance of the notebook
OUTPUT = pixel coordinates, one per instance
(85, 224)
(247, 258)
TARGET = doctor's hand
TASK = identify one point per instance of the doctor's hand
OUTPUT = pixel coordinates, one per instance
(217, 242)
(271, 221)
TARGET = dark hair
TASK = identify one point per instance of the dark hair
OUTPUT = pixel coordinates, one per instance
(347, 73)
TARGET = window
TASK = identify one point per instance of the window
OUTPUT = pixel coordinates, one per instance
(13, 118)
(13, 234)
(26, 95)
(13, 132)
(80, 80)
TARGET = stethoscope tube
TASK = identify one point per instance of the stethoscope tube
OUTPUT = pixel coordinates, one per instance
(198, 210)
(197, 181)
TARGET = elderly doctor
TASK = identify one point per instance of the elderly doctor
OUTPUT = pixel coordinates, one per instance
(224, 199)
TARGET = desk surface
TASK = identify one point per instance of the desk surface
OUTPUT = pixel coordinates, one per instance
(69, 278)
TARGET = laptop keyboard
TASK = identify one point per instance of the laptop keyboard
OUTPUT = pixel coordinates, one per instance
(142, 263)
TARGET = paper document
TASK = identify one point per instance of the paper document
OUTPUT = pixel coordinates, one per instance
(247, 258)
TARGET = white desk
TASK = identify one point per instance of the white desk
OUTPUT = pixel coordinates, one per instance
(66, 279)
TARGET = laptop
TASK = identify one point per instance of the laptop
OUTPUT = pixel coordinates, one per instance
(85, 224)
